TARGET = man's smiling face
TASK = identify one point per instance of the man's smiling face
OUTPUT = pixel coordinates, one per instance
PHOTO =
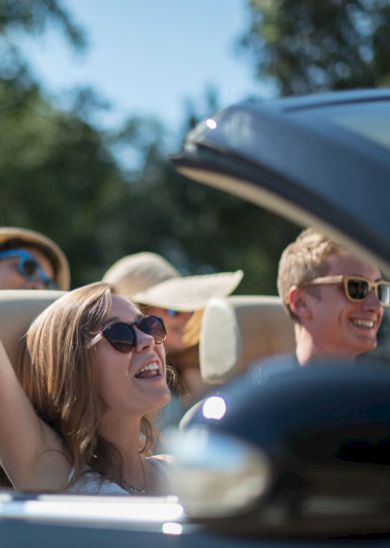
(338, 326)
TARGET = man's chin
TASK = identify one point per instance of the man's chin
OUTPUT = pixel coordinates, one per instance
(366, 345)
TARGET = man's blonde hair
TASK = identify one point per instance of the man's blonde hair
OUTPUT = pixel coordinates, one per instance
(303, 260)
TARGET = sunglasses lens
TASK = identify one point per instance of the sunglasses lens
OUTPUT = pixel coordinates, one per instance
(357, 289)
(30, 268)
(384, 293)
(154, 326)
(121, 336)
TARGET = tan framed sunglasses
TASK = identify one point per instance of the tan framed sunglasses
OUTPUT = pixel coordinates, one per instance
(356, 289)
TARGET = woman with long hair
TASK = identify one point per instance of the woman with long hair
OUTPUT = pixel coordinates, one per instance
(75, 416)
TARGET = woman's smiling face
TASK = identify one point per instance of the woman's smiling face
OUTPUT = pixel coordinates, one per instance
(135, 381)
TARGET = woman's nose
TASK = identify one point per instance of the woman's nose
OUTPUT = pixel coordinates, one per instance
(144, 340)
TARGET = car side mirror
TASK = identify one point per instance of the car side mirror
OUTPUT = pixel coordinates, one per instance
(299, 453)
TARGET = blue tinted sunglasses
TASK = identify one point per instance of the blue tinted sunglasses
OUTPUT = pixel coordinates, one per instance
(173, 313)
(29, 267)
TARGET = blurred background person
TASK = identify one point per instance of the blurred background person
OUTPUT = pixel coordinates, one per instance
(159, 288)
(30, 260)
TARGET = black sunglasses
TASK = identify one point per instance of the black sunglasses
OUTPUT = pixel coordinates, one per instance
(29, 267)
(356, 289)
(123, 336)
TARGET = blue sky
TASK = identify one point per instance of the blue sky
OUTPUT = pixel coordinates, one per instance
(149, 56)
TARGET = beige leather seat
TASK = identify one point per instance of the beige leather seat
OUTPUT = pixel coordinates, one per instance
(18, 308)
(239, 330)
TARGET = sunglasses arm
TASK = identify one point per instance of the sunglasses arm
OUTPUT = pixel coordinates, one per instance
(95, 340)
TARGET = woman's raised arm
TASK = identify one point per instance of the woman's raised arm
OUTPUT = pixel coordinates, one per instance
(31, 453)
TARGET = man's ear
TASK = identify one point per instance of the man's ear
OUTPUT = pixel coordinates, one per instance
(298, 303)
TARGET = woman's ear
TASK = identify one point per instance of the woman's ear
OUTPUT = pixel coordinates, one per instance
(298, 303)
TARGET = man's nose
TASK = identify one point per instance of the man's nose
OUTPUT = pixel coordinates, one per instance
(372, 301)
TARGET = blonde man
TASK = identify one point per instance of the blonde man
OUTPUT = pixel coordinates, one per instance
(335, 299)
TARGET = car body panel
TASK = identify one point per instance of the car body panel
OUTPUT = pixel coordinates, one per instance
(323, 433)
(297, 157)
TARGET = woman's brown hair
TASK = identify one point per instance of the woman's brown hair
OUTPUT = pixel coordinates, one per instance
(61, 383)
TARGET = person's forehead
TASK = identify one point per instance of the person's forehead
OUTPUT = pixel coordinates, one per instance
(123, 309)
(349, 264)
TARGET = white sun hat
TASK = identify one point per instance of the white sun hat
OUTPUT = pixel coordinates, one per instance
(147, 278)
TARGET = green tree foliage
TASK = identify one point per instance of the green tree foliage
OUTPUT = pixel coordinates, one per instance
(198, 228)
(57, 173)
(62, 176)
(305, 46)
(57, 176)
(225, 232)
(33, 16)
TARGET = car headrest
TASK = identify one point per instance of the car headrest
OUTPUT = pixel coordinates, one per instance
(238, 331)
(18, 308)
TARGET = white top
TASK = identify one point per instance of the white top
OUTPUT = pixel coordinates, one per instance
(92, 483)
